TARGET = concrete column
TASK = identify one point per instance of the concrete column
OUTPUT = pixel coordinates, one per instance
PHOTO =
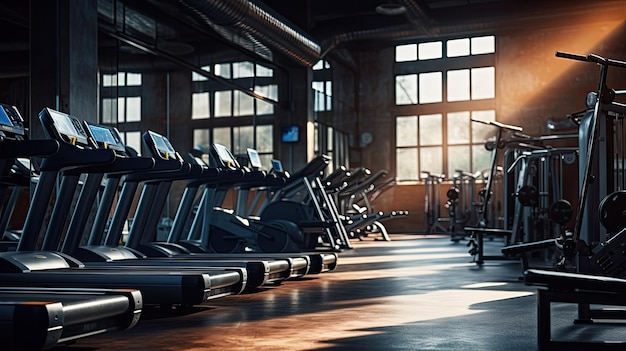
(64, 59)
(299, 99)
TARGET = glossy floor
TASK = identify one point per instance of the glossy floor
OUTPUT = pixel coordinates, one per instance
(413, 293)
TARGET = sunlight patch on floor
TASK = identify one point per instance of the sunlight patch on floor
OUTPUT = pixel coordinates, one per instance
(347, 260)
(395, 272)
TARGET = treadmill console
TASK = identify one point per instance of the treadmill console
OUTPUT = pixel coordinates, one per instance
(255, 160)
(11, 122)
(64, 127)
(107, 137)
(223, 156)
(160, 145)
(277, 166)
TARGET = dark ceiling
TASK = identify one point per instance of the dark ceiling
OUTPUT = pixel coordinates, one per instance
(320, 27)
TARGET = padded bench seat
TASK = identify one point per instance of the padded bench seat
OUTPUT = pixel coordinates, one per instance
(581, 289)
(478, 234)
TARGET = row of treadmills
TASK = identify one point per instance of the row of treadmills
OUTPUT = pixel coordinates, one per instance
(74, 271)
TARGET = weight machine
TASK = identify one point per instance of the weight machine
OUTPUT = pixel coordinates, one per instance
(432, 202)
(595, 260)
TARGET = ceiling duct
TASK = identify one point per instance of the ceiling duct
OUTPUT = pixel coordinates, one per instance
(243, 21)
(420, 25)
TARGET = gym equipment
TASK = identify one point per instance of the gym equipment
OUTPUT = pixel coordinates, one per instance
(41, 318)
(254, 273)
(432, 202)
(29, 265)
(599, 136)
(356, 208)
(197, 237)
(304, 200)
(580, 289)
(480, 229)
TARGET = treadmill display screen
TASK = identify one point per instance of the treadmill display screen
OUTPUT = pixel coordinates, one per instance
(163, 146)
(255, 160)
(227, 158)
(9, 114)
(106, 135)
(68, 126)
(277, 166)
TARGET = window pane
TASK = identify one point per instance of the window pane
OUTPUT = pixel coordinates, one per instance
(243, 138)
(428, 51)
(265, 138)
(243, 69)
(406, 131)
(133, 139)
(201, 139)
(318, 100)
(222, 70)
(458, 47)
(431, 160)
(406, 89)
(244, 104)
(481, 132)
(109, 80)
(406, 53)
(458, 160)
(329, 138)
(266, 160)
(406, 164)
(458, 85)
(269, 91)
(200, 105)
(430, 130)
(121, 110)
(483, 83)
(133, 79)
(430, 87)
(459, 128)
(109, 110)
(198, 77)
(264, 108)
(221, 135)
(483, 45)
(262, 71)
(481, 158)
(133, 109)
(222, 103)
(329, 95)
(318, 86)
(319, 65)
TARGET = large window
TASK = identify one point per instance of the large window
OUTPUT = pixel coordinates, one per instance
(212, 100)
(440, 86)
(322, 86)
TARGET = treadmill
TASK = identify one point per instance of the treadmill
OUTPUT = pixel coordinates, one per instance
(41, 318)
(32, 266)
(199, 238)
(104, 252)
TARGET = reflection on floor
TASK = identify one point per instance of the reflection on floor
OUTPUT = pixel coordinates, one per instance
(413, 293)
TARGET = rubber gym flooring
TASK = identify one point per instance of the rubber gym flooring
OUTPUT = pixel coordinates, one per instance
(413, 293)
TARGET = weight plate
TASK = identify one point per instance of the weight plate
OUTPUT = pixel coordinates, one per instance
(528, 196)
(612, 211)
(453, 193)
(561, 211)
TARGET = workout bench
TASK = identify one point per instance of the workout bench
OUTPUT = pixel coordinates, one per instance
(477, 241)
(581, 289)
